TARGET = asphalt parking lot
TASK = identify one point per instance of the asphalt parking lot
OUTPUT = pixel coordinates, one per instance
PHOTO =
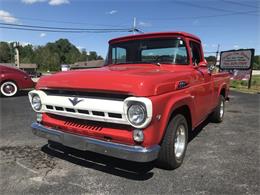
(221, 159)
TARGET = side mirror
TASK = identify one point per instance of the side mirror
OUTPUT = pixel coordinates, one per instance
(211, 68)
(203, 64)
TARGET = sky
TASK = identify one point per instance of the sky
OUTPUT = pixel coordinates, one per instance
(231, 24)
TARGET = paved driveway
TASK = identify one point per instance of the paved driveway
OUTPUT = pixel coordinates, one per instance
(220, 159)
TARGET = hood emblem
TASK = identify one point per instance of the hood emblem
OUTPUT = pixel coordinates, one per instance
(75, 101)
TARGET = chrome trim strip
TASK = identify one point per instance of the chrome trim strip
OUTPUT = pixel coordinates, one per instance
(131, 153)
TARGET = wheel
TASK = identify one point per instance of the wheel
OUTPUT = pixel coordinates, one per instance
(8, 88)
(218, 114)
(174, 143)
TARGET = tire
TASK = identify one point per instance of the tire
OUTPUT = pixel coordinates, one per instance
(8, 89)
(171, 154)
(217, 115)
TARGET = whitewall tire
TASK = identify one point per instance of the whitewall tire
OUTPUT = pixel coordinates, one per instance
(8, 89)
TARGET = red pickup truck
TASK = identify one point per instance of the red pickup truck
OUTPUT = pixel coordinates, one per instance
(152, 92)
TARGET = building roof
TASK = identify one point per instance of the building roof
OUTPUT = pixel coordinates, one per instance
(88, 64)
(22, 66)
(28, 65)
(8, 64)
(154, 35)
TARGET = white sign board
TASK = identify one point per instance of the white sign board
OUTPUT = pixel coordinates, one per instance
(236, 59)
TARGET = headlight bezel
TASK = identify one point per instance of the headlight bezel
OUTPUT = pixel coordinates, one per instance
(141, 107)
(39, 107)
(146, 103)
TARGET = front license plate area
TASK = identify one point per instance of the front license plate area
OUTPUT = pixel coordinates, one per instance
(74, 141)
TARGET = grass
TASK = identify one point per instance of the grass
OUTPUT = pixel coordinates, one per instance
(241, 86)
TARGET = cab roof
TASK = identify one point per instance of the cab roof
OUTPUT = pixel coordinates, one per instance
(154, 35)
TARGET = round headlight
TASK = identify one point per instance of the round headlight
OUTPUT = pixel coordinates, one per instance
(136, 114)
(36, 102)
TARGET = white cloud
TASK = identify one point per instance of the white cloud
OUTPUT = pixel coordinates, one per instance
(32, 1)
(144, 24)
(112, 12)
(7, 17)
(42, 34)
(236, 46)
(58, 2)
(79, 47)
(24, 43)
(51, 2)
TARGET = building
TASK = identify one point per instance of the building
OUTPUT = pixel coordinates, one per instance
(87, 64)
(29, 68)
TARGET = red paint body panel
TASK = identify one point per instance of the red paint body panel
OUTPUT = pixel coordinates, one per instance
(21, 78)
(158, 83)
(154, 35)
(117, 133)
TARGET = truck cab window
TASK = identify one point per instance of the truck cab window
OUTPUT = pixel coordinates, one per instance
(156, 50)
(118, 55)
(195, 52)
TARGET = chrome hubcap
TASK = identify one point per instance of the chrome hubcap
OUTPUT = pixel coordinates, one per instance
(221, 109)
(9, 89)
(179, 143)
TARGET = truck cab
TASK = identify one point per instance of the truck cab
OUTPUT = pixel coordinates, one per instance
(153, 90)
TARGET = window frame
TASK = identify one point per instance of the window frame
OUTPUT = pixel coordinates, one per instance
(185, 42)
(191, 42)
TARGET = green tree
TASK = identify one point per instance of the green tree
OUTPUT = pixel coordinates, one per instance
(256, 62)
(211, 60)
(92, 55)
(26, 54)
(5, 52)
(49, 56)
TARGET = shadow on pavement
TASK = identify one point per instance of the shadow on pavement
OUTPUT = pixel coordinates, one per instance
(198, 129)
(118, 167)
(23, 93)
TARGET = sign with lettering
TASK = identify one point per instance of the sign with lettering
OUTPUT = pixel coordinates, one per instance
(236, 59)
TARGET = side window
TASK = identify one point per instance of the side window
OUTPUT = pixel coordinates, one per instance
(118, 55)
(195, 52)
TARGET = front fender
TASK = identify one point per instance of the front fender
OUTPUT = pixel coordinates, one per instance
(165, 105)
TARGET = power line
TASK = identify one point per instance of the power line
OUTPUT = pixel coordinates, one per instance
(241, 4)
(64, 22)
(62, 28)
(202, 6)
(63, 31)
(203, 17)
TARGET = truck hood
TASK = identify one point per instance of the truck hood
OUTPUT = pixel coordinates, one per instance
(138, 80)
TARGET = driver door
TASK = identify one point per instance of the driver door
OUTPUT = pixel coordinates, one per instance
(203, 89)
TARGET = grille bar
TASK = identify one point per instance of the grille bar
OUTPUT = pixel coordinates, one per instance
(83, 125)
(84, 112)
(101, 95)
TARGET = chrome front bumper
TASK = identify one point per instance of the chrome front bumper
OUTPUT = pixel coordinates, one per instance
(131, 153)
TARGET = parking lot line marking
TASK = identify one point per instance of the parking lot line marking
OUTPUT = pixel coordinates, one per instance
(27, 168)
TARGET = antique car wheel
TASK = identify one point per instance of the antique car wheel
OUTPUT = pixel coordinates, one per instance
(8, 88)
(218, 114)
(174, 143)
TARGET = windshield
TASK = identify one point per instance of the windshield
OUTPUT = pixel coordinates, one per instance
(159, 50)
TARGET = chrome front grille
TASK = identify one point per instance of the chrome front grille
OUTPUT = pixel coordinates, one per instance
(85, 112)
(92, 108)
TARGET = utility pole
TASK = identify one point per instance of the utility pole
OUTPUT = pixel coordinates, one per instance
(134, 26)
(217, 56)
(17, 56)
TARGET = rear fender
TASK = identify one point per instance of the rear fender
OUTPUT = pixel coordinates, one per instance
(223, 86)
